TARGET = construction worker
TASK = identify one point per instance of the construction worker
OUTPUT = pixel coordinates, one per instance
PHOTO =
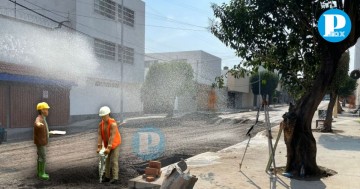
(109, 135)
(212, 99)
(41, 138)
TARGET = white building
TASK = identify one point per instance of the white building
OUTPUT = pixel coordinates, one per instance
(240, 94)
(239, 91)
(357, 67)
(206, 68)
(100, 22)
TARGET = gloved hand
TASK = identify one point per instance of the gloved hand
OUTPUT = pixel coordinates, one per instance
(39, 124)
(107, 150)
(99, 148)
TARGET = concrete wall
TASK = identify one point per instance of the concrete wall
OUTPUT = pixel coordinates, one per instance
(238, 84)
(247, 100)
(357, 55)
(100, 27)
(87, 99)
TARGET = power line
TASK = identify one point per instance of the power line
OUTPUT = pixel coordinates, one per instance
(157, 15)
(101, 19)
(136, 52)
(178, 4)
(88, 27)
(156, 26)
(94, 29)
(143, 54)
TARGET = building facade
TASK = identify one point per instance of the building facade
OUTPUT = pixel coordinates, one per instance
(106, 37)
(206, 67)
(239, 94)
(357, 67)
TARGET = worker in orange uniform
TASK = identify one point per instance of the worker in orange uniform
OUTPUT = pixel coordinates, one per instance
(41, 138)
(109, 135)
(212, 99)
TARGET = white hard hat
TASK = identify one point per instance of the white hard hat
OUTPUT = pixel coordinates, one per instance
(105, 110)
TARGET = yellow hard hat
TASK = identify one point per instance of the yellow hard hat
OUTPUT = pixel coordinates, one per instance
(42, 105)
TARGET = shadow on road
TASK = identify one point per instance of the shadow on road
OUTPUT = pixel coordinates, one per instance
(249, 180)
(340, 142)
(300, 184)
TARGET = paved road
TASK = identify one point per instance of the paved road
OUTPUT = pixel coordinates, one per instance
(72, 161)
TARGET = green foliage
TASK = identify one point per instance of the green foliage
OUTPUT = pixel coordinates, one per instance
(341, 76)
(343, 84)
(165, 81)
(347, 87)
(269, 82)
(279, 35)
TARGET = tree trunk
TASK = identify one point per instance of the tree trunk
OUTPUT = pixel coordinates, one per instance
(329, 113)
(339, 108)
(299, 140)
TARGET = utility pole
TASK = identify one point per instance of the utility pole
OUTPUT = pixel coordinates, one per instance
(197, 84)
(122, 61)
(15, 9)
(197, 70)
(259, 89)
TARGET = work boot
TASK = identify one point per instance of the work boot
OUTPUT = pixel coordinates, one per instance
(114, 181)
(41, 173)
(105, 179)
(37, 169)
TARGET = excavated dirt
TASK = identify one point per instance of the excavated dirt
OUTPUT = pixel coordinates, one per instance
(72, 161)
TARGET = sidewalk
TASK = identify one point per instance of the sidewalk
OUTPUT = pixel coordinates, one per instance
(339, 151)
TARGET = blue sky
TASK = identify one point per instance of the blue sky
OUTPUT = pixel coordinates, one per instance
(180, 25)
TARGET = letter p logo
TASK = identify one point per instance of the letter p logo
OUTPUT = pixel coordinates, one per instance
(330, 22)
(334, 25)
(148, 143)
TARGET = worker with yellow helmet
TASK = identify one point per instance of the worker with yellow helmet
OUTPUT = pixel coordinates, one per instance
(41, 138)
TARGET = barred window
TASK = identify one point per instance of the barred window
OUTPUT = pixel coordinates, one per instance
(128, 54)
(105, 49)
(105, 8)
(129, 16)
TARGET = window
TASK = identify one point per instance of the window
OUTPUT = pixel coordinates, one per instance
(129, 16)
(105, 8)
(105, 49)
(128, 54)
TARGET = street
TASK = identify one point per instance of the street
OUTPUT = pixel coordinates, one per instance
(72, 160)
